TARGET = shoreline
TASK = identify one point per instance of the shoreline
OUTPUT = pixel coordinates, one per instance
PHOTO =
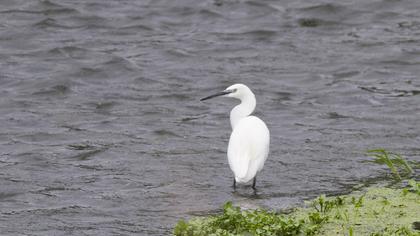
(374, 210)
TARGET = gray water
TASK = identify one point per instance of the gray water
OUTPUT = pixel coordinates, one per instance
(102, 131)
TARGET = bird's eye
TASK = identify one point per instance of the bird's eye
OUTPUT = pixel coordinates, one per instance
(234, 90)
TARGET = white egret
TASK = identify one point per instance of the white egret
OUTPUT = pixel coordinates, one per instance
(250, 138)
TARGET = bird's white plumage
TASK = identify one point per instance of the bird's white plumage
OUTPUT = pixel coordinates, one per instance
(249, 142)
(248, 148)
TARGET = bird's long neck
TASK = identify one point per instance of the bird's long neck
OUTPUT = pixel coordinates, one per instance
(244, 109)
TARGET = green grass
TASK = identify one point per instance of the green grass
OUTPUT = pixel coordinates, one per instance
(395, 162)
(373, 212)
(376, 211)
(413, 186)
(233, 221)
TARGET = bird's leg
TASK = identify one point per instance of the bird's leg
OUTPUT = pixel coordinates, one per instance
(253, 182)
(234, 183)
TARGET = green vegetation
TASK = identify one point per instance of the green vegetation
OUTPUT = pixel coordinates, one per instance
(375, 211)
(414, 187)
(395, 162)
(233, 221)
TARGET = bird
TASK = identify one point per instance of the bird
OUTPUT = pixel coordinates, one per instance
(249, 141)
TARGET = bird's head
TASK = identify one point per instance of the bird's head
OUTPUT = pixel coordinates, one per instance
(238, 91)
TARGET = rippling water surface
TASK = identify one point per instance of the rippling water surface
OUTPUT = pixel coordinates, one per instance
(102, 131)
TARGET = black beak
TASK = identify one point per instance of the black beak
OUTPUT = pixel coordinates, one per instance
(217, 94)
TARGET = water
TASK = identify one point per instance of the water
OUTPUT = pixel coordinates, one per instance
(102, 131)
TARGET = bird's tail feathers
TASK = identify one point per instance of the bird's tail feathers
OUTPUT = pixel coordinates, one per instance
(241, 171)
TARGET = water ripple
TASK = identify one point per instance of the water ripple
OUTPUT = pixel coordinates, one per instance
(101, 127)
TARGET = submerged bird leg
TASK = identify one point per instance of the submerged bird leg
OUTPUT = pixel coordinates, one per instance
(234, 183)
(253, 182)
